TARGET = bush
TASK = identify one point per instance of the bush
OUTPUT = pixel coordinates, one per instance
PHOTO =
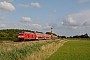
(10, 34)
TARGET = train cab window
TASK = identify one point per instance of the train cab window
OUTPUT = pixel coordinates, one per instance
(20, 34)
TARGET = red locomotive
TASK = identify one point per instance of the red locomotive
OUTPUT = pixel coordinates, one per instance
(35, 35)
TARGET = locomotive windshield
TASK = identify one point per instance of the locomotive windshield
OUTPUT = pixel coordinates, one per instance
(20, 33)
(29, 32)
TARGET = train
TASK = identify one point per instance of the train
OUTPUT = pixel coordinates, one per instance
(35, 36)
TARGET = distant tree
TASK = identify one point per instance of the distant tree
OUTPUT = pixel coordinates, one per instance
(61, 36)
(51, 33)
(39, 32)
(71, 37)
(48, 33)
(81, 36)
(84, 36)
(76, 36)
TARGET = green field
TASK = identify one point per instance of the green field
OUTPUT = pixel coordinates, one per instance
(73, 50)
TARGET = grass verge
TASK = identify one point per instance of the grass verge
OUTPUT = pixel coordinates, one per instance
(46, 50)
(25, 51)
(73, 50)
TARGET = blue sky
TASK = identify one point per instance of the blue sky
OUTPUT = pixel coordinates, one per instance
(66, 17)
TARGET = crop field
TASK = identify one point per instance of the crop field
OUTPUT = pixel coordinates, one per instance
(29, 50)
(73, 50)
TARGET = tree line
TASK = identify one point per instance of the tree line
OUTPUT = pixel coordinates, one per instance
(81, 36)
(12, 34)
(76, 36)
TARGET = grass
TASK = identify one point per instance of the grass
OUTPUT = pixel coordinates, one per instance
(24, 50)
(73, 50)
(4, 47)
(46, 50)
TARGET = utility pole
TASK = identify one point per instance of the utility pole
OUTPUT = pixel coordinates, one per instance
(51, 32)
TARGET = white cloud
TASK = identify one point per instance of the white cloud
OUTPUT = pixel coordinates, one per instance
(36, 26)
(6, 6)
(36, 4)
(86, 23)
(81, 16)
(26, 19)
(74, 27)
(82, 1)
(2, 18)
(2, 25)
(53, 25)
(22, 5)
(28, 26)
(78, 20)
(19, 25)
(69, 21)
(47, 26)
(54, 11)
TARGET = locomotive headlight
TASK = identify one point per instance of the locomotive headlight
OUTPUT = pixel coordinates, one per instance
(20, 36)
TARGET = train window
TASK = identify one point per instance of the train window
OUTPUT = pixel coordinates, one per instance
(20, 34)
